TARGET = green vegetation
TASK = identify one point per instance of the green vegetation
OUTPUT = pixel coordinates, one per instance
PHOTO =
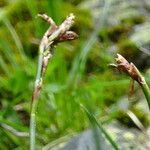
(77, 73)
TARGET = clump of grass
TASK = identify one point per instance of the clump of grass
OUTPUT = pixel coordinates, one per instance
(54, 35)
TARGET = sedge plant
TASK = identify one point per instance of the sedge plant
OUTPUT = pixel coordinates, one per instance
(54, 35)
(130, 69)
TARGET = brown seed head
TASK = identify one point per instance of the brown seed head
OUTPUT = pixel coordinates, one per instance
(129, 68)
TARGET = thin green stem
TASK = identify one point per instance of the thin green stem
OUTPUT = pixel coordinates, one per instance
(34, 105)
(146, 91)
(39, 70)
(33, 125)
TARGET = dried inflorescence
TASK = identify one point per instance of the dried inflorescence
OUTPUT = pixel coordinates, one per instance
(54, 35)
(129, 68)
(59, 33)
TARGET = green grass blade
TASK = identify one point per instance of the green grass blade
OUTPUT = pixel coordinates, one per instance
(8, 53)
(3, 66)
(15, 37)
(80, 60)
(146, 91)
(93, 119)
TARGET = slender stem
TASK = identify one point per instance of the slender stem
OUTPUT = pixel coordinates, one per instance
(33, 125)
(51, 37)
(146, 91)
(34, 105)
(39, 71)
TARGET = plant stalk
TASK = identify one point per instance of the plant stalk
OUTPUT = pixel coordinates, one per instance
(146, 91)
(33, 125)
(52, 36)
(34, 104)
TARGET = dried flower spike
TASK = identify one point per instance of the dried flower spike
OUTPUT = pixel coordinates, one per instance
(129, 68)
(52, 36)
(124, 66)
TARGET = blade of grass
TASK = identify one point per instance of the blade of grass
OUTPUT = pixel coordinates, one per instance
(136, 120)
(13, 125)
(56, 142)
(14, 131)
(15, 37)
(11, 137)
(146, 92)
(80, 60)
(3, 65)
(8, 53)
(99, 125)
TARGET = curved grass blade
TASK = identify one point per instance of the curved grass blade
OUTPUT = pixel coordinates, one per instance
(15, 37)
(99, 125)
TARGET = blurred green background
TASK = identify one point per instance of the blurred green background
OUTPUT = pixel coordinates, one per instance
(78, 71)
